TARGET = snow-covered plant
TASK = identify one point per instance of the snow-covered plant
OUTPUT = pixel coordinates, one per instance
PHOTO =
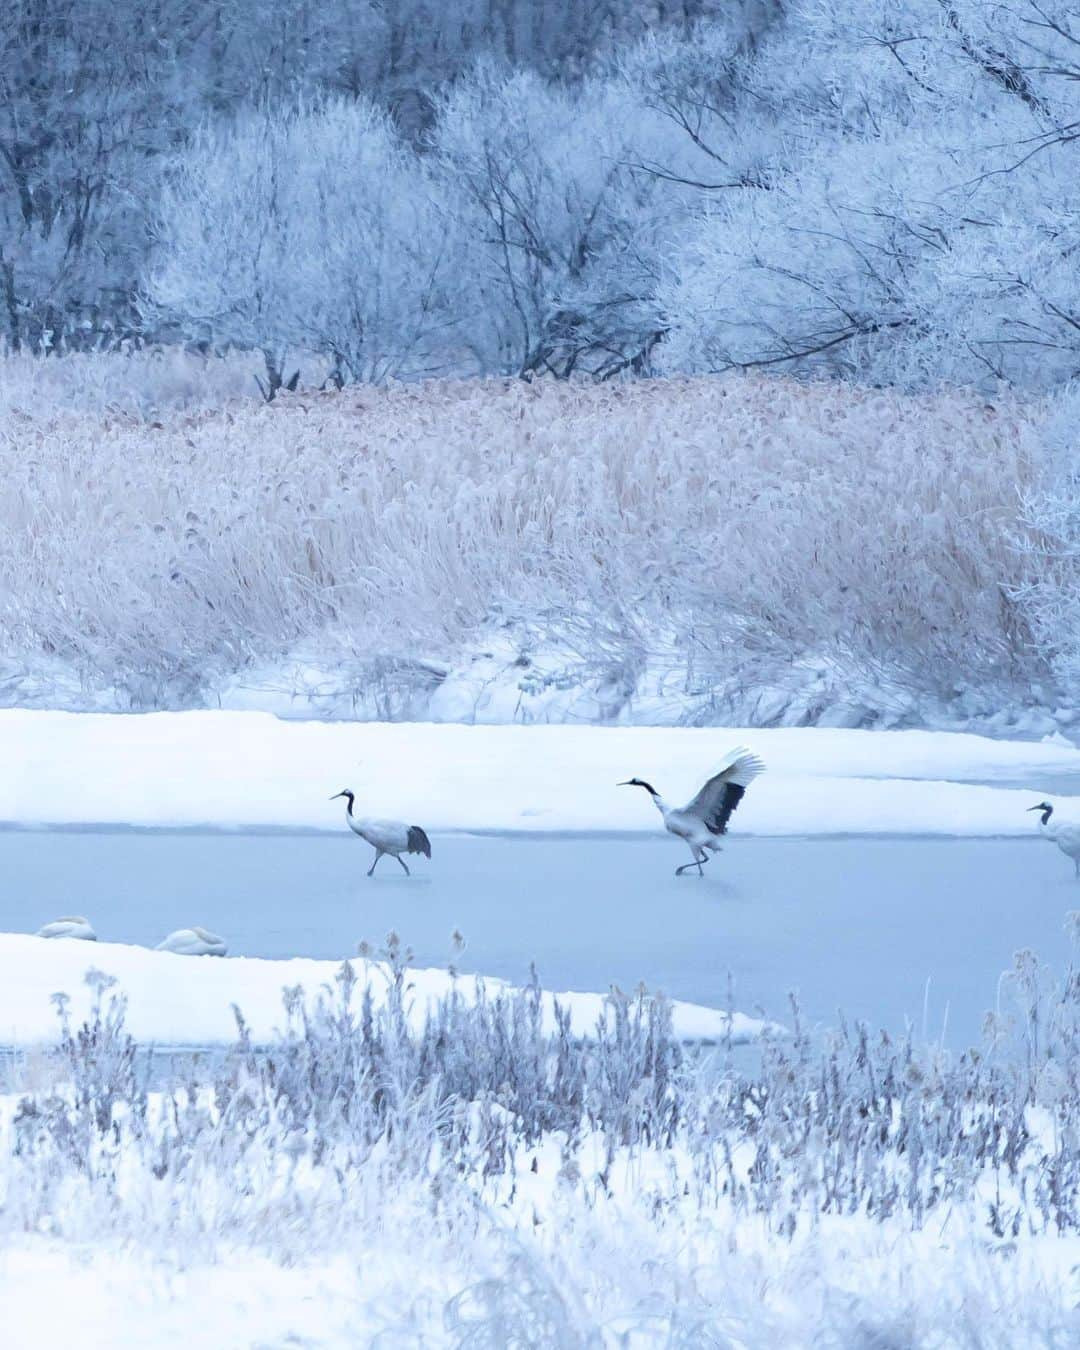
(138, 382)
(1049, 539)
(733, 535)
(371, 1123)
(556, 221)
(917, 221)
(313, 231)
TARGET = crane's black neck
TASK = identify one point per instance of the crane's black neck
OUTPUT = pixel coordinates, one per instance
(349, 798)
(1044, 819)
(648, 787)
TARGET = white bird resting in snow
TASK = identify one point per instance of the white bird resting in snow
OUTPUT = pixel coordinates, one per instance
(385, 836)
(1060, 832)
(701, 822)
(193, 942)
(74, 926)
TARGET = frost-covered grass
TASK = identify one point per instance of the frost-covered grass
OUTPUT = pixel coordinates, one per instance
(745, 547)
(486, 1181)
(142, 383)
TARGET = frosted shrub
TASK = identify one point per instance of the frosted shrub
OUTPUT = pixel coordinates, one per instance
(314, 231)
(99, 96)
(873, 191)
(1049, 540)
(545, 1181)
(555, 224)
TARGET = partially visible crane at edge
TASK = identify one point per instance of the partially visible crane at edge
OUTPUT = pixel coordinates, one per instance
(1060, 832)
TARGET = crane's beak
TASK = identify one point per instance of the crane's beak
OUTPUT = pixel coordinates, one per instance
(336, 796)
(1040, 807)
(626, 783)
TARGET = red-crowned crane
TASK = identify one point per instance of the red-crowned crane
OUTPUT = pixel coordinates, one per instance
(701, 822)
(1061, 832)
(385, 836)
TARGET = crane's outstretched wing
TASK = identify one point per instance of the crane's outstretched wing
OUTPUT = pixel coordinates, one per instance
(724, 791)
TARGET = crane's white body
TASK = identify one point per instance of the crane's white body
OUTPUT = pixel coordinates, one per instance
(392, 837)
(388, 836)
(702, 822)
(193, 942)
(74, 926)
(1065, 834)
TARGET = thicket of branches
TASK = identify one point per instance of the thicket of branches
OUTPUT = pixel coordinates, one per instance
(96, 99)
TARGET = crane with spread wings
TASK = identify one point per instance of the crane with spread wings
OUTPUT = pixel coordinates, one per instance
(701, 822)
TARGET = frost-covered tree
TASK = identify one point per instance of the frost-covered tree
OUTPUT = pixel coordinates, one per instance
(80, 122)
(691, 127)
(93, 94)
(316, 231)
(919, 220)
(875, 190)
(557, 221)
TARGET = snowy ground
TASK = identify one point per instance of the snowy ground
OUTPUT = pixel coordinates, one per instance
(903, 1211)
(587, 1276)
(189, 1000)
(230, 769)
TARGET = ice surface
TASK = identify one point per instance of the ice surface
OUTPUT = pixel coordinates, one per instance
(890, 929)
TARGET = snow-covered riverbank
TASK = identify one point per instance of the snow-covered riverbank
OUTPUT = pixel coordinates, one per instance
(181, 1000)
(246, 769)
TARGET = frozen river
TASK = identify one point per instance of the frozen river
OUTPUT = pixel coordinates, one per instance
(883, 928)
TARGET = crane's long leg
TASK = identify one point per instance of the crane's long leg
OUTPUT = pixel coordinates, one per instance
(378, 855)
(401, 860)
(1076, 865)
(700, 856)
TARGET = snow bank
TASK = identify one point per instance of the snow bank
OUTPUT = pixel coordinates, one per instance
(509, 676)
(186, 1000)
(245, 769)
(846, 1283)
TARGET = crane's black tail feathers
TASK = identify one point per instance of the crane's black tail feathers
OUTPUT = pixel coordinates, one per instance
(418, 841)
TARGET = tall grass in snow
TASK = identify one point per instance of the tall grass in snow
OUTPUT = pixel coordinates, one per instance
(546, 1190)
(141, 383)
(736, 529)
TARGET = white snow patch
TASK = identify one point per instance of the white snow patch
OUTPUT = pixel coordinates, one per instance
(186, 1000)
(608, 1265)
(247, 769)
